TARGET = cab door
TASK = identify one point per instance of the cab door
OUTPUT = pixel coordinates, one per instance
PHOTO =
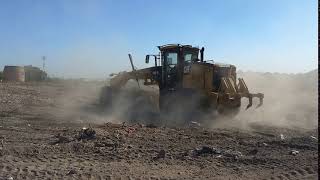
(171, 69)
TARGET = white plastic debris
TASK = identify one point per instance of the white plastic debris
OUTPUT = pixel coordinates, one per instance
(294, 152)
(265, 144)
(312, 137)
(282, 137)
(29, 125)
(195, 123)
(10, 178)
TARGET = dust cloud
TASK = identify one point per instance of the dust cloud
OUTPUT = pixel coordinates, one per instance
(291, 101)
(77, 101)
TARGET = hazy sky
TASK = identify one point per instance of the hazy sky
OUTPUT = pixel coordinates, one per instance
(91, 38)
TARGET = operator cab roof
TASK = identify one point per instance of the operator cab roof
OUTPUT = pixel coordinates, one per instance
(173, 46)
(222, 64)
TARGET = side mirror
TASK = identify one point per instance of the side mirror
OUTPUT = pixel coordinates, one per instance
(147, 59)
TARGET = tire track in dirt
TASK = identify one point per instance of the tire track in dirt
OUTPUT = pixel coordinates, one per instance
(60, 168)
(304, 173)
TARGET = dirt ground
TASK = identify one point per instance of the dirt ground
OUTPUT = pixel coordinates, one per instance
(40, 136)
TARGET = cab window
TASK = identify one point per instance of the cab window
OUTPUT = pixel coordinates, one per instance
(172, 59)
(189, 56)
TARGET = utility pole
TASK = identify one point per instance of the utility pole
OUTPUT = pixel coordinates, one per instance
(43, 67)
(43, 62)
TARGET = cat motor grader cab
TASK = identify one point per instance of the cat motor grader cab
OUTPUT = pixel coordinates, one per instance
(186, 82)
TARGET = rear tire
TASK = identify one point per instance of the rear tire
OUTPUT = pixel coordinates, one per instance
(129, 105)
(179, 108)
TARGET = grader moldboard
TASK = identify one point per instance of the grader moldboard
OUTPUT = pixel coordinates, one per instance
(188, 86)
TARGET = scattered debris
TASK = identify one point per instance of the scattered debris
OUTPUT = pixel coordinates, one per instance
(312, 137)
(1, 148)
(130, 130)
(219, 153)
(139, 125)
(253, 152)
(87, 133)
(109, 143)
(262, 144)
(294, 152)
(237, 168)
(72, 172)
(62, 139)
(98, 144)
(106, 142)
(194, 123)
(123, 124)
(282, 137)
(205, 150)
(233, 154)
(161, 154)
(151, 125)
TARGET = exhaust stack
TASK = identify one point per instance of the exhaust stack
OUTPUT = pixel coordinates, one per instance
(201, 54)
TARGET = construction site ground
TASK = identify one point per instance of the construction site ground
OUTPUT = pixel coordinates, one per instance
(41, 125)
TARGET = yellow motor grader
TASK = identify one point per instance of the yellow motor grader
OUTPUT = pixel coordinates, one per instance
(186, 83)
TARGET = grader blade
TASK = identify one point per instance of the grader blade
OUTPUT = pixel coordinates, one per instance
(250, 101)
(243, 89)
(260, 96)
(251, 96)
